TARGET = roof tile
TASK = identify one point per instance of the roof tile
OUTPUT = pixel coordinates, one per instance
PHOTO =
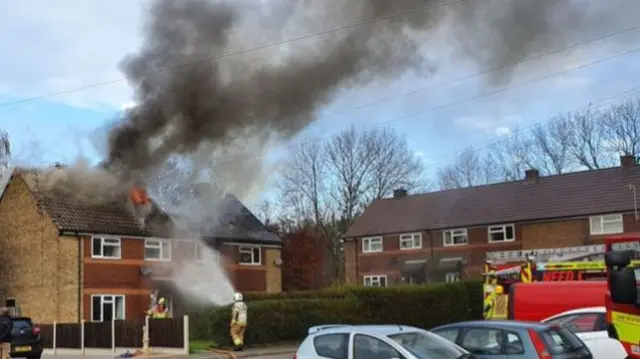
(573, 194)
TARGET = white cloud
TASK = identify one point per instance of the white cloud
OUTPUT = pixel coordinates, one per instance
(487, 124)
(60, 45)
(503, 131)
(127, 105)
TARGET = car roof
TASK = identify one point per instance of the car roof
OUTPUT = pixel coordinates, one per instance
(383, 329)
(504, 324)
(600, 309)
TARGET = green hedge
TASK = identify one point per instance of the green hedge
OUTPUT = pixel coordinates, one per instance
(287, 317)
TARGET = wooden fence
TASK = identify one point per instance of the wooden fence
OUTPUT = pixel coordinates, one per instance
(167, 333)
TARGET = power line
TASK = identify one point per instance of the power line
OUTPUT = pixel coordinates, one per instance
(240, 52)
(469, 99)
(484, 72)
(592, 105)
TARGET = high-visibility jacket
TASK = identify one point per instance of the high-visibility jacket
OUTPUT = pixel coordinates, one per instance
(500, 307)
(489, 305)
(239, 313)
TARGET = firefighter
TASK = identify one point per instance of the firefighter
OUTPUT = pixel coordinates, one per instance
(490, 283)
(238, 321)
(500, 304)
(161, 311)
(489, 303)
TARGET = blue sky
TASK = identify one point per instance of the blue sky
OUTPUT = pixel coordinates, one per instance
(69, 44)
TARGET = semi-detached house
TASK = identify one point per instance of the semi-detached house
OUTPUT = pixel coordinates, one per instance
(441, 236)
(65, 261)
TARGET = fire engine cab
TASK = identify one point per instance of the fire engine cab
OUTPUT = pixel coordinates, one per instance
(520, 277)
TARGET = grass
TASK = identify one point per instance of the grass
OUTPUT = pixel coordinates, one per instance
(199, 346)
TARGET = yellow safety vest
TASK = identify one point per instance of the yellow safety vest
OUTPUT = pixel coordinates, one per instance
(489, 305)
(500, 307)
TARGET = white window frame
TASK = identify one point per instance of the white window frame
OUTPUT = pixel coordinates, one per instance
(415, 238)
(250, 249)
(112, 243)
(452, 277)
(601, 220)
(501, 228)
(377, 278)
(113, 302)
(455, 233)
(368, 241)
(198, 252)
(158, 243)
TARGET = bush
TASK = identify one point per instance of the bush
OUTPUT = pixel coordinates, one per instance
(288, 316)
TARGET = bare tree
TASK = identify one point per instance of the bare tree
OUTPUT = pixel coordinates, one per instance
(510, 156)
(369, 165)
(470, 168)
(551, 153)
(395, 166)
(330, 183)
(622, 125)
(302, 183)
(587, 142)
(5, 149)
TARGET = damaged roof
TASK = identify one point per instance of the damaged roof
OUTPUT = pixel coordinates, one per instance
(551, 197)
(115, 218)
(234, 222)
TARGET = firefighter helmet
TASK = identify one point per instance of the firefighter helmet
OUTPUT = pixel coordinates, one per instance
(237, 297)
(499, 289)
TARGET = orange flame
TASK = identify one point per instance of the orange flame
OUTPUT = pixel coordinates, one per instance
(139, 196)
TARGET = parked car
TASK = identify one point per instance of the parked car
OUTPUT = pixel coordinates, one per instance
(515, 340)
(590, 325)
(25, 341)
(376, 342)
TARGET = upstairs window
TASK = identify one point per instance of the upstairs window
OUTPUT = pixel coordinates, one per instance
(372, 245)
(106, 247)
(502, 233)
(607, 224)
(157, 250)
(455, 237)
(411, 241)
(250, 255)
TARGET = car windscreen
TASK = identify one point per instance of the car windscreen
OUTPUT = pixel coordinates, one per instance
(19, 324)
(560, 340)
(426, 345)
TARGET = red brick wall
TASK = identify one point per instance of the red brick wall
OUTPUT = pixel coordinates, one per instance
(123, 276)
(550, 234)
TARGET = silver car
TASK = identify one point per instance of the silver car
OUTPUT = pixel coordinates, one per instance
(376, 342)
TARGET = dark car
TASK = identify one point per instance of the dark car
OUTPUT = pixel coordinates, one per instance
(515, 340)
(25, 339)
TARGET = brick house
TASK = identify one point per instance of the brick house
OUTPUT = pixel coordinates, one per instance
(443, 235)
(65, 261)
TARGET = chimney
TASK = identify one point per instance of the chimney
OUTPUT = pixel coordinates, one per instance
(627, 161)
(531, 175)
(399, 193)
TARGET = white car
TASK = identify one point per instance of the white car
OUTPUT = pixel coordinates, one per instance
(589, 324)
(376, 342)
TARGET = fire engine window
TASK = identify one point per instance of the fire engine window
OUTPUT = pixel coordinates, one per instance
(483, 341)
